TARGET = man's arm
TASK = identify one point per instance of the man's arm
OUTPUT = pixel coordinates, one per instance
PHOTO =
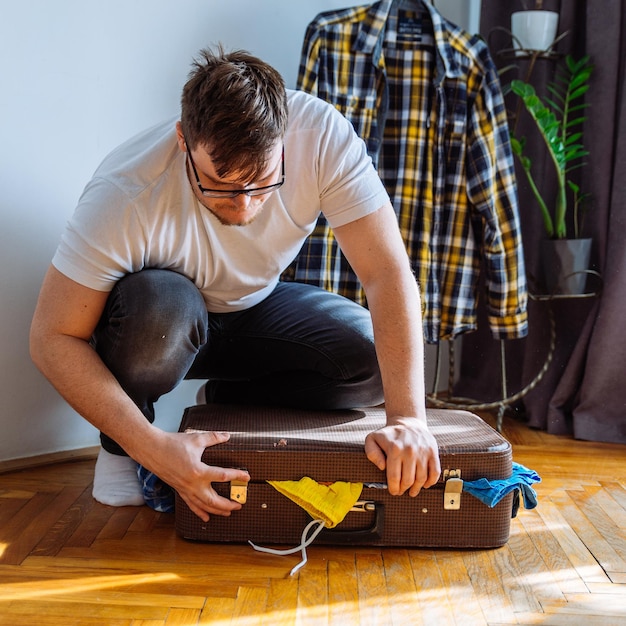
(65, 318)
(404, 447)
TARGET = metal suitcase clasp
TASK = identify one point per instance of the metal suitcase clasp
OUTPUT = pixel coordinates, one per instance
(238, 491)
(363, 506)
(452, 491)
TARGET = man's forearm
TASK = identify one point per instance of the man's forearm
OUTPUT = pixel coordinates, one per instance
(396, 315)
(78, 374)
(374, 248)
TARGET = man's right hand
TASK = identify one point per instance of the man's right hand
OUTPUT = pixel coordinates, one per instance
(176, 460)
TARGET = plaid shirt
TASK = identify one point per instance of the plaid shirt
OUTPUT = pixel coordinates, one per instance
(425, 97)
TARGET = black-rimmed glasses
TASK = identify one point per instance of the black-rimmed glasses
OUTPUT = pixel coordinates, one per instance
(223, 193)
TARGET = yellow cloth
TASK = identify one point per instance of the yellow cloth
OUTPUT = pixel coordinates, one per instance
(329, 503)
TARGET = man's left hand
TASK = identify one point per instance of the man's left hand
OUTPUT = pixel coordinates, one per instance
(408, 452)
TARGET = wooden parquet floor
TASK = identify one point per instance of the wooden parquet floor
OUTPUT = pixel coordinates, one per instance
(67, 560)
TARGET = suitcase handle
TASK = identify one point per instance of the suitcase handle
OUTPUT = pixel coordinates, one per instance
(365, 535)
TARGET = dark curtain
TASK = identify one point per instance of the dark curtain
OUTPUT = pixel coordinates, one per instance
(583, 390)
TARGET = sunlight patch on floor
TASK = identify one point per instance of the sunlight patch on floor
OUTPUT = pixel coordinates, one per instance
(39, 589)
(370, 610)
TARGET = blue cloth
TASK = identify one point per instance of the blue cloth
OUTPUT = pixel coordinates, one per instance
(157, 494)
(492, 491)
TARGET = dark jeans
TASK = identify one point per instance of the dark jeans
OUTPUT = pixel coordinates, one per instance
(301, 347)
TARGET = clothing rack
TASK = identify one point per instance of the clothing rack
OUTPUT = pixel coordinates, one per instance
(507, 400)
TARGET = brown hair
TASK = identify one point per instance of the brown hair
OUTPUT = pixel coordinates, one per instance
(235, 107)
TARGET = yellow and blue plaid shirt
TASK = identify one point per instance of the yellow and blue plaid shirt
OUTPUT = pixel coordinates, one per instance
(426, 98)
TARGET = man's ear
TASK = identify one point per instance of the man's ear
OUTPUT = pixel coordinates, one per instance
(182, 144)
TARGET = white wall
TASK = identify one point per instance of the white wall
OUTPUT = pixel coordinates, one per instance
(79, 77)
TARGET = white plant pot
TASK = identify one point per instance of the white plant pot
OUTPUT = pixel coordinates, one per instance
(533, 30)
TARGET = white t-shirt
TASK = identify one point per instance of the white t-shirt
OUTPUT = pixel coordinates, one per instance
(139, 211)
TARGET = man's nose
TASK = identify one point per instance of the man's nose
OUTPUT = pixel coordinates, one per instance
(242, 201)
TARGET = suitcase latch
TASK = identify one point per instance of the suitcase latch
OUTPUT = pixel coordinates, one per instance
(363, 506)
(452, 491)
(238, 491)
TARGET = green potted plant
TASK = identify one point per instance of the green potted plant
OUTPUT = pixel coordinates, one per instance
(559, 120)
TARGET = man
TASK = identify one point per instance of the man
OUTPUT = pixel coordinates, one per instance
(170, 267)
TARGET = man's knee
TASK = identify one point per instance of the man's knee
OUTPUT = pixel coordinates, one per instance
(153, 319)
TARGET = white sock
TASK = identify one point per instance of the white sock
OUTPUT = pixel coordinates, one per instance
(115, 480)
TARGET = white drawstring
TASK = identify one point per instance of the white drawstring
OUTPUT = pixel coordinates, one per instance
(304, 542)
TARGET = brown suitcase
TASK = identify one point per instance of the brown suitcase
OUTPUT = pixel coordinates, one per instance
(288, 444)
